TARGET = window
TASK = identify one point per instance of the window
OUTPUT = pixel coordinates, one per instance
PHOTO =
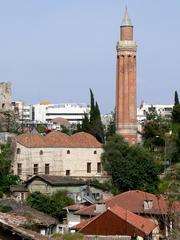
(47, 168)
(68, 151)
(41, 152)
(99, 167)
(35, 169)
(19, 169)
(18, 151)
(88, 167)
(67, 172)
(148, 204)
(3, 105)
(95, 152)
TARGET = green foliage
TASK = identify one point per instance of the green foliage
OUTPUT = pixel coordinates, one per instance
(6, 180)
(5, 208)
(67, 236)
(105, 186)
(170, 183)
(1, 194)
(52, 205)
(93, 124)
(176, 114)
(111, 128)
(41, 128)
(154, 131)
(176, 98)
(131, 167)
(30, 226)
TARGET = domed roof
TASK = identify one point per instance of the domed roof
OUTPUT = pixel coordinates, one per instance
(59, 139)
(61, 121)
(30, 140)
(84, 139)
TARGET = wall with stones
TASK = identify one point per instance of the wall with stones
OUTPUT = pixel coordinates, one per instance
(59, 160)
(5, 96)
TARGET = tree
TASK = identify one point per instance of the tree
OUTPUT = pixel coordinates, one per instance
(41, 128)
(176, 114)
(52, 205)
(93, 123)
(6, 179)
(155, 137)
(111, 128)
(131, 167)
(176, 98)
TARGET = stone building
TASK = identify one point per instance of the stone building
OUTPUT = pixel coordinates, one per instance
(5, 96)
(59, 154)
(126, 121)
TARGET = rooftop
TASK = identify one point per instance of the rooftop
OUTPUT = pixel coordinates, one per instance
(58, 139)
(123, 222)
(134, 202)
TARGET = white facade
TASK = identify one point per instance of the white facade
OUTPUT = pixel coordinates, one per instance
(23, 110)
(163, 110)
(74, 113)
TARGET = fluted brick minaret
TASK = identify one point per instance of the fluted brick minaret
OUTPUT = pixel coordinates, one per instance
(126, 119)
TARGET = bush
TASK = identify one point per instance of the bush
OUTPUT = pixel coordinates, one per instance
(1, 194)
(52, 205)
(5, 208)
(67, 236)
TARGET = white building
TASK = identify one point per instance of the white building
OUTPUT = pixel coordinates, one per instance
(162, 110)
(23, 110)
(45, 112)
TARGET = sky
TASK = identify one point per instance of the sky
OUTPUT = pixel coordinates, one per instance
(55, 50)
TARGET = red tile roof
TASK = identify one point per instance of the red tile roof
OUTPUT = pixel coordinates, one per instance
(84, 140)
(117, 221)
(59, 139)
(134, 202)
(75, 207)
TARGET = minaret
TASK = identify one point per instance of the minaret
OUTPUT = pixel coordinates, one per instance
(126, 119)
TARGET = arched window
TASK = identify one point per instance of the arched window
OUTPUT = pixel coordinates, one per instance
(95, 152)
(68, 151)
(18, 151)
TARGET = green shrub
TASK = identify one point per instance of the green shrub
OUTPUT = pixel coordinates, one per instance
(5, 208)
(1, 194)
(67, 236)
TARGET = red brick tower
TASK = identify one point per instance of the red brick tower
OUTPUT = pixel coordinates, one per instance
(126, 119)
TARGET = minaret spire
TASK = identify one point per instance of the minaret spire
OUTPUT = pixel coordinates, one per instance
(126, 20)
(126, 119)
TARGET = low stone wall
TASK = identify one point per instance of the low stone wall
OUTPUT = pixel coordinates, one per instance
(108, 238)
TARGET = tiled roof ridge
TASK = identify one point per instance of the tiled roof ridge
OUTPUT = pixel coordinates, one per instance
(130, 214)
(59, 139)
(159, 206)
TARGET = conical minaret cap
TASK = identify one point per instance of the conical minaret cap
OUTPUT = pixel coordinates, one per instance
(126, 20)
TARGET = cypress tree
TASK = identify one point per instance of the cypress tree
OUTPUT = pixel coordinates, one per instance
(93, 123)
(176, 109)
(176, 98)
(85, 123)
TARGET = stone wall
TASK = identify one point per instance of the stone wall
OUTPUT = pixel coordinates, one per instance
(108, 238)
(5, 96)
(59, 159)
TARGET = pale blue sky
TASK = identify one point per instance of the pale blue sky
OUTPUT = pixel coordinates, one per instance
(57, 49)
